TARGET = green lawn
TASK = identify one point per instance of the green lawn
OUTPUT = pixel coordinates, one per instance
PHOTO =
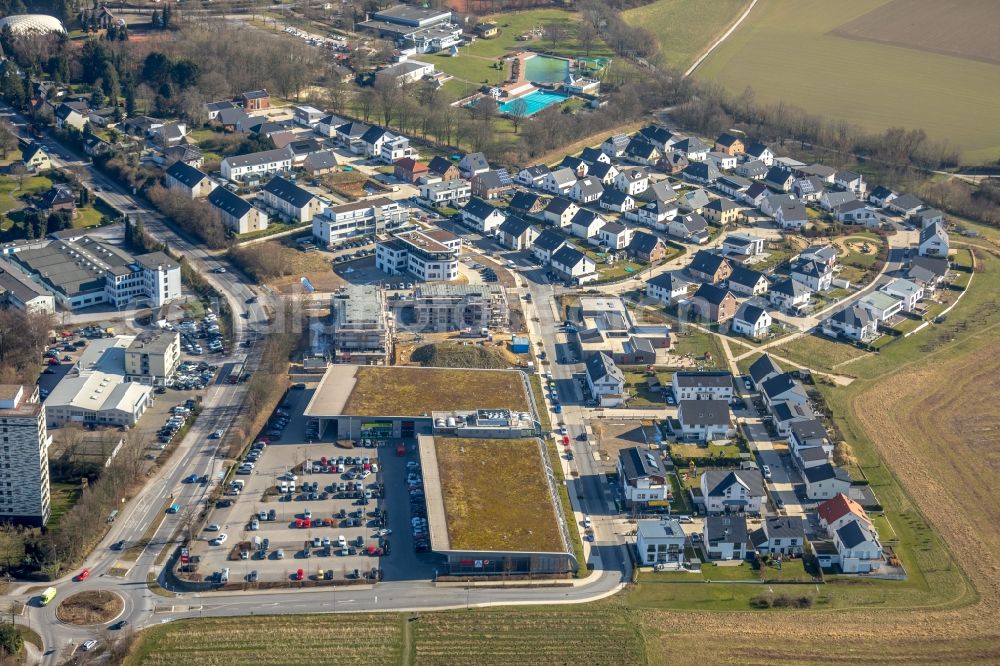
(781, 45)
(685, 28)
(63, 497)
(696, 343)
(11, 196)
(818, 352)
(707, 452)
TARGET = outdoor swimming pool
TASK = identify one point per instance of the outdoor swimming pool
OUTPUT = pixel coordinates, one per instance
(545, 69)
(535, 101)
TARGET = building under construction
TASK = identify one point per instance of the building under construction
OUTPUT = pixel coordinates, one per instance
(362, 328)
(451, 307)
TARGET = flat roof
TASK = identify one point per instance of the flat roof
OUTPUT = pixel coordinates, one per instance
(488, 495)
(353, 390)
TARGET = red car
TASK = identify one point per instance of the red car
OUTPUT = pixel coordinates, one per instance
(298, 522)
(53, 361)
(565, 440)
(300, 574)
(83, 575)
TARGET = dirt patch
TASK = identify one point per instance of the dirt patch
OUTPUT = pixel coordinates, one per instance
(962, 28)
(90, 607)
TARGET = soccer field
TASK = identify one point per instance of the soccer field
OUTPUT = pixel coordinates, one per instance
(789, 51)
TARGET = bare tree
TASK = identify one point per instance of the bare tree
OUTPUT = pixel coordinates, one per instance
(388, 92)
(518, 112)
(8, 139)
(587, 36)
(555, 33)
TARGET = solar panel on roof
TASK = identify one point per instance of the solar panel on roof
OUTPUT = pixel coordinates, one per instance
(504, 177)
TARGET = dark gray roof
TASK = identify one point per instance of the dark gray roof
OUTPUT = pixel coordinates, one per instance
(638, 464)
(234, 116)
(600, 365)
(568, 255)
(763, 368)
(656, 134)
(668, 281)
(590, 187)
(744, 276)
(717, 480)
(186, 174)
(726, 529)
(779, 385)
(492, 180)
(711, 293)
(785, 527)
(790, 287)
(571, 162)
(702, 171)
(810, 268)
(852, 534)
(756, 149)
(524, 200)
(374, 133)
(537, 170)
(479, 209)
(592, 156)
(613, 228)
(613, 197)
(825, 472)
(853, 316)
(733, 182)
(229, 203)
(584, 217)
(880, 192)
(549, 240)
(476, 161)
(639, 147)
(938, 266)
(691, 145)
(514, 226)
(321, 159)
(727, 139)
(289, 191)
(786, 410)
(703, 412)
(706, 262)
(777, 175)
(353, 129)
(906, 201)
(439, 165)
(643, 242)
(558, 205)
(750, 313)
(263, 157)
(600, 169)
(703, 379)
(808, 429)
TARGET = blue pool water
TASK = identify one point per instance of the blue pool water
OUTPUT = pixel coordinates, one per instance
(536, 101)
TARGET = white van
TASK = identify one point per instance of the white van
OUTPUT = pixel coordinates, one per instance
(224, 576)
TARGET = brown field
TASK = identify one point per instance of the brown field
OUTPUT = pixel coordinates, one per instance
(90, 607)
(961, 28)
(399, 391)
(496, 496)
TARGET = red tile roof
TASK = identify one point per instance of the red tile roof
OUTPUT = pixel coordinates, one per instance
(839, 506)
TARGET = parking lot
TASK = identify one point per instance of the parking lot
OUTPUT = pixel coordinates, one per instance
(335, 513)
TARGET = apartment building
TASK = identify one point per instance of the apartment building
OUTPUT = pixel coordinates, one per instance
(238, 214)
(451, 307)
(24, 458)
(255, 166)
(338, 224)
(427, 255)
(362, 327)
(153, 356)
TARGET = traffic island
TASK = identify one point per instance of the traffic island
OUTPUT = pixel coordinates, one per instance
(90, 607)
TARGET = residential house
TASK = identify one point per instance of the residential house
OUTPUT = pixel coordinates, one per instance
(831, 199)
(366, 218)
(34, 157)
(527, 203)
(851, 181)
(69, 116)
(547, 244)
(933, 241)
(744, 281)
(758, 151)
(927, 217)
(752, 321)
(733, 186)
(605, 380)
(659, 541)
(854, 323)
(660, 137)
(443, 169)
(723, 161)
(491, 184)
(821, 254)
(238, 214)
(789, 295)
(881, 305)
(614, 146)
(736, 491)
(572, 265)
(855, 212)
(908, 291)
(190, 155)
(291, 201)
(710, 267)
(816, 276)
(409, 170)
(726, 537)
(168, 134)
(617, 201)
(559, 181)
(96, 146)
(657, 215)
(906, 205)
(824, 481)
(373, 138)
(667, 287)
(779, 179)
(586, 224)
(234, 120)
(694, 148)
(614, 236)
(753, 170)
(606, 173)
(452, 193)
(306, 116)
(756, 195)
(482, 217)
(823, 172)
(473, 163)
(808, 189)
(560, 212)
(713, 303)
(702, 385)
(327, 125)
(212, 109)
(350, 136)
(788, 213)
(256, 100)
(705, 173)
(786, 413)
(594, 156)
(839, 510)
(881, 196)
(721, 211)
(647, 248)
(396, 147)
(809, 443)
(673, 162)
(858, 548)
(743, 245)
(928, 271)
(58, 198)
(533, 176)
(642, 152)
(256, 166)
(762, 369)
(190, 181)
(693, 201)
(704, 420)
(632, 180)
(578, 165)
(780, 535)
(783, 388)
(586, 190)
(516, 233)
(691, 228)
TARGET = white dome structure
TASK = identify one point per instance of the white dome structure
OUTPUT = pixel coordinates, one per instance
(39, 24)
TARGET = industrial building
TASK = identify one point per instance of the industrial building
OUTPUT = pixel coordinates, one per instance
(82, 272)
(362, 328)
(153, 356)
(426, 255)
(451, 307)
(425, 30)
(24, 497)
(19, 292)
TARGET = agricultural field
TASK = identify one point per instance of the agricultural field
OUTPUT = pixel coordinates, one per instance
(685, 28)
(491, 506)
(795, 52)
(362, 639)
